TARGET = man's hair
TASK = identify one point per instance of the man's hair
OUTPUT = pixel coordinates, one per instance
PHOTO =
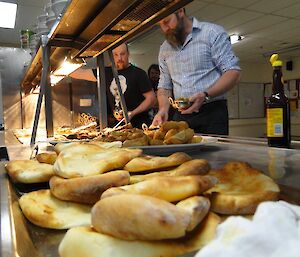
(153, 66)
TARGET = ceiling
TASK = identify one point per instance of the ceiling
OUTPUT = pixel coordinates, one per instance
(268, 26)
(27, 13)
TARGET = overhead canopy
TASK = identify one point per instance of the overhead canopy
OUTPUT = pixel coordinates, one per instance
(88, 28)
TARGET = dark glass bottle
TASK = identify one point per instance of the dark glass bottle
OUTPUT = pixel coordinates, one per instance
(278, 110)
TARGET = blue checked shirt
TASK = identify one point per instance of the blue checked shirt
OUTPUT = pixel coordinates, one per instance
(192, 68)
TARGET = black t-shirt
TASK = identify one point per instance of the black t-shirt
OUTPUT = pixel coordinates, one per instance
(134, 82)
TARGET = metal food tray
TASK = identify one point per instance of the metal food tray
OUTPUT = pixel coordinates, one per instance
(21, 238)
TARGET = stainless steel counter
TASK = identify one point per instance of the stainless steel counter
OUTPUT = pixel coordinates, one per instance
(20, 238)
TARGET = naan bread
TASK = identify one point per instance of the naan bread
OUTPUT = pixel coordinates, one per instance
(49, 158)
(87, 189)
(171, 189)
(149, 163)
(73, 162)
(240, 189)
(84, 241)
(192, 167)
(44, 210)
(29, 171)
(140, 217)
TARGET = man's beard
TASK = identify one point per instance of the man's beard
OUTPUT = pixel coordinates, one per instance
(176, 37)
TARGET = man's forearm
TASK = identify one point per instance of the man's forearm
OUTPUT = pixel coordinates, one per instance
(163, 99)
(146, 104)
(226, 82)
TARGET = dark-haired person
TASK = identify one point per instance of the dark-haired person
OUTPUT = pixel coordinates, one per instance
(138, 93)
(197, 62)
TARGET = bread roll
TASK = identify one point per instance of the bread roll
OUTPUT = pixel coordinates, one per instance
(182, 137)
(198, 207)
(72, 163)
(84, 241)
(29, 171)
(44, 210)
(133, 217)
(49, 158)
(241, 189)
(87, 189)
(149, 163)
(171, 189)
(192, 167)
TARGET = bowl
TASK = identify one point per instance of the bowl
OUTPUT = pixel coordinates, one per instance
(180, 103)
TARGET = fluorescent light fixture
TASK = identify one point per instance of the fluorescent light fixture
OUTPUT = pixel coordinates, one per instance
(236, 38)
(67, 67)
(55, 79)
(8, 13)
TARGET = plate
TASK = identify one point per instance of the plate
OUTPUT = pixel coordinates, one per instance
(168, 149)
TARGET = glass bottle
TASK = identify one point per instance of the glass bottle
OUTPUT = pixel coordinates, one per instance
(278, 109)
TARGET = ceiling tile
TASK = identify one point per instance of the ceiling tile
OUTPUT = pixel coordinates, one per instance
(237, 18)
(236, 3)
(257, 24)
(194, 7)
(267, 6)
(213, 12)
(292, 11)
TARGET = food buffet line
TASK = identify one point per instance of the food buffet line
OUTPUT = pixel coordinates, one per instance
(19, 237)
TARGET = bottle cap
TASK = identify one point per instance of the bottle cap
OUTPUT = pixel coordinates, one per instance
(274, 60)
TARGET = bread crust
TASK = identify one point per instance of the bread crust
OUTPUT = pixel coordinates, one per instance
(72, 163)
(192, 167)
(29, 171)
(49, 158)
(85, 241)
(44, 210)
(87, 189)
(171, 189)
(241, 189)
(151, 163)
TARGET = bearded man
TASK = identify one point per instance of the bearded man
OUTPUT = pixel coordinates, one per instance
(196, 62)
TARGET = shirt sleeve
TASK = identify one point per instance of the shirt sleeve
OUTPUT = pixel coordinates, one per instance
(222, 52)
(165, 80)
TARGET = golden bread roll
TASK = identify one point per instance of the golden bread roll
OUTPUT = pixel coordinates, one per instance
(192, 167)
(72, 163)
(87, 189)
(140, 217)
(171, 189)
(241, 189)
(149, 163)
(49, 158)
(44, 210)
(80, 146)
(182, 137)
(140, 141)
(198, 207)
(29, 171)
(179, 125)
(85, 241)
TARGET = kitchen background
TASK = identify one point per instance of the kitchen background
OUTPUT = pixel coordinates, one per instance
(268, 26)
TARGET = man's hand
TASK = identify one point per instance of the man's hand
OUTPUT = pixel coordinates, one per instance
(159, 118)
(197, 100)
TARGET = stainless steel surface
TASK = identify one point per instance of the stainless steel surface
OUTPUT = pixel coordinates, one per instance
(12, 65)
(20, 238)
(101, 91)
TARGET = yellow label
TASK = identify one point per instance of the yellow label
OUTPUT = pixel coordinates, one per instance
(275, 122)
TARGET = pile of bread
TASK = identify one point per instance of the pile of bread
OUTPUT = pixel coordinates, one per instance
(118, 202)
(168, 133)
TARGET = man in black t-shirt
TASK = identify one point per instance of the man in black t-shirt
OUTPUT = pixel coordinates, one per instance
(138, 93)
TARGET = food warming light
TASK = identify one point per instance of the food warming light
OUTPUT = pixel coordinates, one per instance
(8, 13)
